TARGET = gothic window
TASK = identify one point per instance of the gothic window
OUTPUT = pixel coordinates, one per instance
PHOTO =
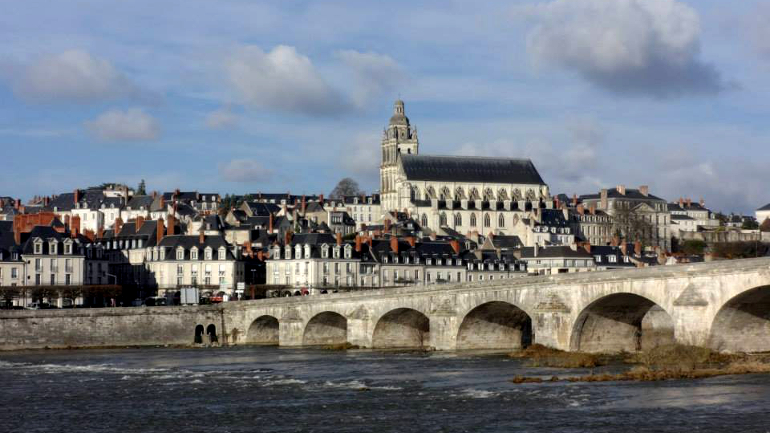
(501, 220)
(473, 220)
(424, 220)
(487, 220)
(458, 219)
(442, 219)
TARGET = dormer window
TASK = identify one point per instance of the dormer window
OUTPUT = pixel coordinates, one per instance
(325, 251)
(38, 247)
(288, 252)
(337, 252)
(163, 254)
(180, 253)
(194, 254)
(307, 251)
(222, 253)
(208, 254)
(348, 251)
(52, 248)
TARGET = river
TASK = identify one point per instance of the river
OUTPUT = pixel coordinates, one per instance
(266, 389)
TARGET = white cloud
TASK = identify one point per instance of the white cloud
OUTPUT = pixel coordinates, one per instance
(633, 47)
(374, 74)
(282, 79)
(222, 118)
(243, 170)
(361, 158)
(70, 76)
(129, 125)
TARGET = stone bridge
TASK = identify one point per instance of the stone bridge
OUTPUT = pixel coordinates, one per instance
(723, 305)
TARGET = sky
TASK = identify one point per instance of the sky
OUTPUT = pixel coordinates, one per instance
(246, 96)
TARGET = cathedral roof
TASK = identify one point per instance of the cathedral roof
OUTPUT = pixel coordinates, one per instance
(470, 169)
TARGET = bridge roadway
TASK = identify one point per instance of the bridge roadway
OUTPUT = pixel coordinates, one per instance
(724, 305)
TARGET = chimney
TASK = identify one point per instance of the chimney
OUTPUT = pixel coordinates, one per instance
(603, 201)
(681, 202)
(287, 238)
(358, 244)
(689, 202)
(321, 199)
(645, 190)
(270, 224)
(369, 241)
(556, 203)
(624, 248)
(304, 204)
(139, 223)
(100, 233)
(17, 204)
(411, 241)
(154, 195)
(89, 234)
(77, 196)
(702, 202)
(260, 256)
(339, 239)
(248, 250)
(159, 231)
(455, 245)
(433, 236)
(394, 244)
(621, 189)
(592, 208)
(170, 225)
(587, 246)
(581, 209)
(118, 226)
(615, 241)
(574, 199)
(201, 236)
(637, 248)
(74, 226)
(16, 232)
(386, 225)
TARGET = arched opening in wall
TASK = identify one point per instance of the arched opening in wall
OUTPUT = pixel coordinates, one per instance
(743, 323)
(495, 325)
(263, 331)
(327, 328)
(622, 322)
(211, 332)
(402, 328)
(198, 334)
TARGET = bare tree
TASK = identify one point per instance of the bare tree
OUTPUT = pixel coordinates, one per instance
(632, 224)
(345, 187)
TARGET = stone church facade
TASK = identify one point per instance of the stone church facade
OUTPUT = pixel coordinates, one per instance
(465, 194)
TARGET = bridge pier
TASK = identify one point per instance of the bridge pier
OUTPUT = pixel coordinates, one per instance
(360, 332)
(443, 331)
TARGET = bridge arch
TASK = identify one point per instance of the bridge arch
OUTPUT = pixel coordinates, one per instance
(621, 322)
(264, 331)
(743, 322)
(325, 328)
(402, 328)
(495, 325)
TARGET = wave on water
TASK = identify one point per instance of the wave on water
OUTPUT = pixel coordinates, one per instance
(353, 384)
(476, 393)
(283, 381)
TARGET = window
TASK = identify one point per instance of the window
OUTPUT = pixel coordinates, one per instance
(424, 220)
(194, 254)
(68, 279)
(38, 265)
(613, 259)
(442, 219)
(53, 279)
(473, 220)
(458, 219)
(180, 254)
(52, 248)
(501, 220)
(38, 248)
(598, 258)
(222, 254)
(179, 269)
(14, 273)
(326, 267)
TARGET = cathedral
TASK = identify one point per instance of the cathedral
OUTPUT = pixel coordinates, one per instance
(463, 193)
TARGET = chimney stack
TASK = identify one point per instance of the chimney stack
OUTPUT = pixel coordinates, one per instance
(287, 238)
(455, 245)
(645, 190)
(689, 202)
(304, 204)
(411, 241)
(17, 204)
(339, 239)
(386, 224)
(170, 225)
(201, 236)
(118, 225)
(75, 226)
(16, 232)
(702, 202)
(100, 233)
(159, 231)
(358, 244)
(615, 241)
(139, 223)
(321, 199)
(603, 200)
(624, 248)
(394, 244)
(638, 248)
(77, 196)
(574, 199)
(581, 209)
(270, 224)
(621, 189)
(587, 246)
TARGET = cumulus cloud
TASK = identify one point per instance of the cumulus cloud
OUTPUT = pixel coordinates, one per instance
(222, 118)
(284, 80)
(374, 74)
(70, 76)
(630, 47)
(243, 170)
(124, 125)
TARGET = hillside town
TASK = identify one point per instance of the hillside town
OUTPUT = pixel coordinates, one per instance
(436, 220)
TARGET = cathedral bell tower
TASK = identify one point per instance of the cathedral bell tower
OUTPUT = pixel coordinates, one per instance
(398, 138)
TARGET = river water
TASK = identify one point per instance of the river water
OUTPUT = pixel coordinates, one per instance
(265, 389)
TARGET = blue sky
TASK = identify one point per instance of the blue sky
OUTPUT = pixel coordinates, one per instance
(246, 96)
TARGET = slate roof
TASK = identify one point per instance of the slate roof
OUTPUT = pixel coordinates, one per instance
(765, 207)
(506, 242)
(136, 202)
(554, 252)
(631, 194)
(470, 169)
(187, 242)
